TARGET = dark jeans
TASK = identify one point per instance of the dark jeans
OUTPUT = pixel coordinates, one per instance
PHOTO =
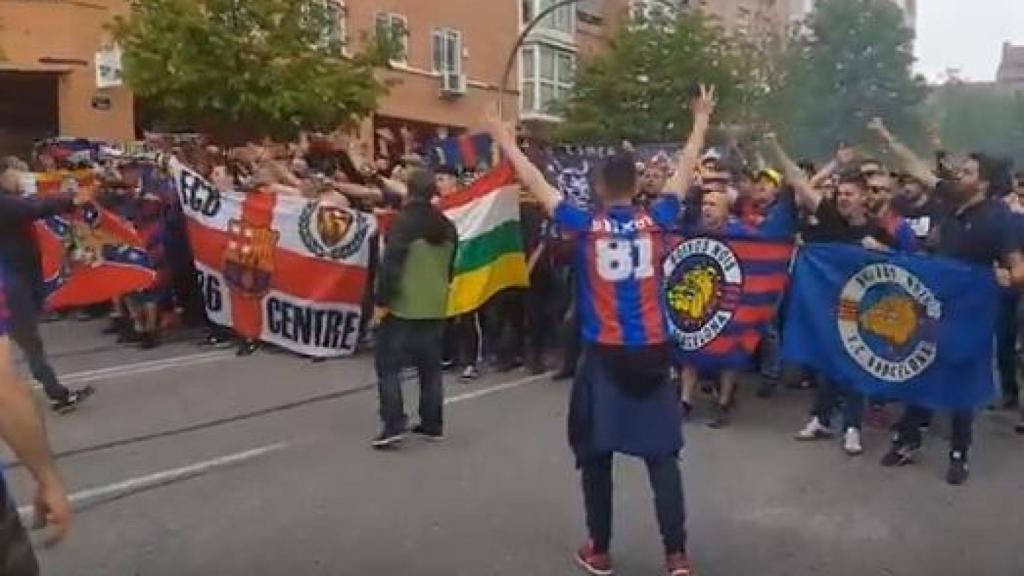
(669, 503)
(827, 397)
(23, 307)
(1006, 344)
(908, 429)
(16, 556)
(409, 342)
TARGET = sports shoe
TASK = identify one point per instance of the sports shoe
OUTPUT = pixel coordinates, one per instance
(247, 348)
(851, 442)
(386, 440)
(470, 373)
(958, 471)
(678, 565)
(447, 364)
(899, 455)
(722, 418)
(814, 430)
(594, 562)
(432, 435)
(1019, 428)
(73, 400)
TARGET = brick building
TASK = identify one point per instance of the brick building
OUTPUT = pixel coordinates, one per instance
(1011, 67)
(48, 73)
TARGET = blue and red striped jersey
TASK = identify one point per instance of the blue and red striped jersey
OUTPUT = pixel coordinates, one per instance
(618, 269)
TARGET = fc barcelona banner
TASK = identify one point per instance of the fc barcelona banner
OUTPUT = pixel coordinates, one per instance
(721, 293)
(88, 255)
(905, 327)
(282, 269)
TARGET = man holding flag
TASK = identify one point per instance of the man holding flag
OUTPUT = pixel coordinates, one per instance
(622, 399)
(19, 253)
(971, 228)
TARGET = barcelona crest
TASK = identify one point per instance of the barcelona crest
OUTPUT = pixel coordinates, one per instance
(703, 289)
(249, 258)
(331, 231)
(889, 322)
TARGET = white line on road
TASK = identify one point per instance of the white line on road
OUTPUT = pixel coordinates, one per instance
(494, 389)
(159, 478)
(123, 370)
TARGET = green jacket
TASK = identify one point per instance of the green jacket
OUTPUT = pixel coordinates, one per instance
(416, 270)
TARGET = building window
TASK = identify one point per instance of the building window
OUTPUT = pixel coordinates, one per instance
(562, 20)
(641, 11)
(329, 17)
(395, 28)
(547, 77)
(447, 51)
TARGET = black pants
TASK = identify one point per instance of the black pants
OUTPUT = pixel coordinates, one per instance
(1006, 344)
(16, 556)
(402, 343)
(908, 429)
(23, 304)
(506, 322)
(669, 503)
(463, 339)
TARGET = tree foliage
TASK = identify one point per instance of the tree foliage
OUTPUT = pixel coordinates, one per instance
(850, 61)
(979, 118)
(246, 67)
(639, 89)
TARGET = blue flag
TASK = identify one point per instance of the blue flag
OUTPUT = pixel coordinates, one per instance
(904, 327)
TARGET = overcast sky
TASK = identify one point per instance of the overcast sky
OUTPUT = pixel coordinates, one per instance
(966, 34)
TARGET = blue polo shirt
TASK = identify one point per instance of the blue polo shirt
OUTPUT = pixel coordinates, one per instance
(982, 233)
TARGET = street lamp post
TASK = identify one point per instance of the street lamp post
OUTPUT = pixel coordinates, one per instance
(503, 88)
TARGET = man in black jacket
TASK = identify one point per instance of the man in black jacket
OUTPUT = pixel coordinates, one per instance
(19, 254)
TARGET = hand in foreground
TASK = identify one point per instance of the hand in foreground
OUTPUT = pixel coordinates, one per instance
(52, 509)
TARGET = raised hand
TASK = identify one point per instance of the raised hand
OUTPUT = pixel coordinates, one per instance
(501, 130)
(704, 105)
(877, 126)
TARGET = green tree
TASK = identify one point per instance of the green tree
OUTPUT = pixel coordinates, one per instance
(245, 68)
(849, 62)
(979, 117)
(639, 89)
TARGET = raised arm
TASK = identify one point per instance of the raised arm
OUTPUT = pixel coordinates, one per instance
(910, 162)
(703, 107)
(532, 178)
(806, 194)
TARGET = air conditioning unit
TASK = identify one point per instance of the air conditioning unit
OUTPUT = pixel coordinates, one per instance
(453, 85)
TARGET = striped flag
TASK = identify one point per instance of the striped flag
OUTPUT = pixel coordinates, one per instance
(721, 293)
(490, 255)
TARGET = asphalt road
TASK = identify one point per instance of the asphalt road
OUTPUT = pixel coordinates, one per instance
(192, 462)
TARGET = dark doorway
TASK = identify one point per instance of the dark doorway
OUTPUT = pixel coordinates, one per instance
(29, 110)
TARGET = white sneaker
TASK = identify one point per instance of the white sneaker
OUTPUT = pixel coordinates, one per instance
(814, 430)
(470, 373)
(851, 442)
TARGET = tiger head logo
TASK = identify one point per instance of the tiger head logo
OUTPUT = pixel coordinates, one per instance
(894, 319)
(333, 224)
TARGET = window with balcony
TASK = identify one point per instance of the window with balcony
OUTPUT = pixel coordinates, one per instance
(547, 77)
(395, 28)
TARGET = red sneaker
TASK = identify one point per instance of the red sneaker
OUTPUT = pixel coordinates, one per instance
(594, 562)
(678, 565)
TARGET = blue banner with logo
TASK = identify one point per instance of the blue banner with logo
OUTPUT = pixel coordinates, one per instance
(904, 327)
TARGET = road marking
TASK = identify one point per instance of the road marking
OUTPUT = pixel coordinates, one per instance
(140, 483)
(124, 370)
(494, 389)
